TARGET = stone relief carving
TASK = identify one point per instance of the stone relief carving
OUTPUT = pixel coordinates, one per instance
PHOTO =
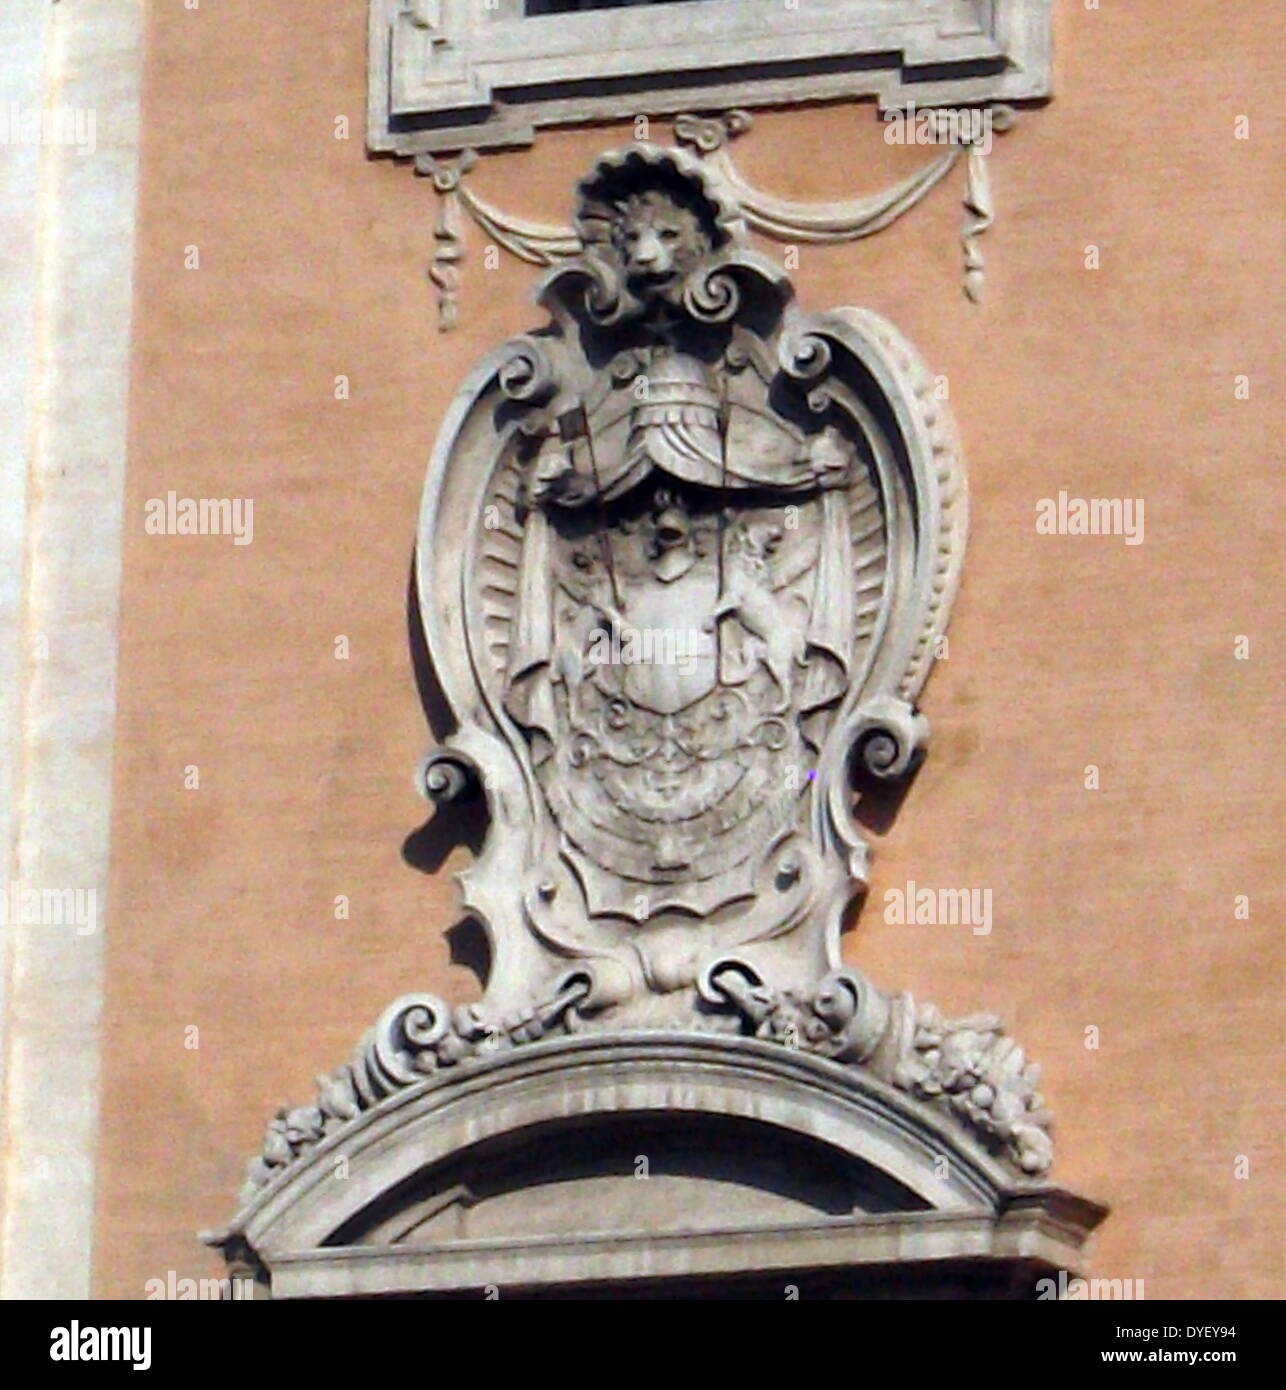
(968, 1067)
(684, 557)
(786, 220)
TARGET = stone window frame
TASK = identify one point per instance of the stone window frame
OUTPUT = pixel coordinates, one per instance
(451, 74)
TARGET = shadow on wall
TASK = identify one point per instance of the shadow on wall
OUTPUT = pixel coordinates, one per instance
(428, 847)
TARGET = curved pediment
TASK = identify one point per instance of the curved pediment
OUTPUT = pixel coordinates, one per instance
(653, 1156)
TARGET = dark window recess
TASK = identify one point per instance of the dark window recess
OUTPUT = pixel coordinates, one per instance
(534, 7)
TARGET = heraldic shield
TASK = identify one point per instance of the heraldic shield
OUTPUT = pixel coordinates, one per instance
(684, 559)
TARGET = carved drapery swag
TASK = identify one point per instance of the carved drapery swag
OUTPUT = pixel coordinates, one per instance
(960, 136)
(684, 559)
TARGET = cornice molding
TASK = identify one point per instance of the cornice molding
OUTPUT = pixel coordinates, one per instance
(453, 74)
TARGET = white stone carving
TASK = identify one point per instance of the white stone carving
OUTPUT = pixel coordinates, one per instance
(967, 1067)
(679, 451)
(682, 453)
(787, 220)
(850, 219)
(518, 1169)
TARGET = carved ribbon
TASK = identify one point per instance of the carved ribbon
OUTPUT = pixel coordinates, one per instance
(449, 248)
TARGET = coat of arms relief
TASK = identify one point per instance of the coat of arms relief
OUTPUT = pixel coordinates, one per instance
(711, 542)
(693, 559)
(685, 557)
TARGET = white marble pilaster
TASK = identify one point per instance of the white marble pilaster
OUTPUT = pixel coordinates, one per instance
(66, 286)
